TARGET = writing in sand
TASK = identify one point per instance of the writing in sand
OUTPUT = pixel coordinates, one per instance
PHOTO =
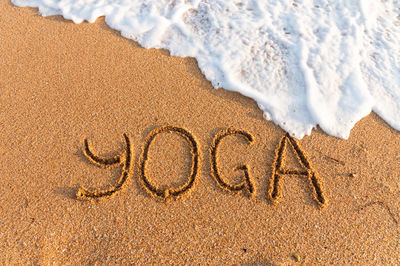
(125, 161)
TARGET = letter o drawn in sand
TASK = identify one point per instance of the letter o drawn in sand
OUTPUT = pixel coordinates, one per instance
(169, 192)
(246, 183)
(124, 159)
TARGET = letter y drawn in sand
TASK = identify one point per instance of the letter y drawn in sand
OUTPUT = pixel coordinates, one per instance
(124, 159)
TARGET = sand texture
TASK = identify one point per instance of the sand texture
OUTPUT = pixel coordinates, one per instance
(183, 173)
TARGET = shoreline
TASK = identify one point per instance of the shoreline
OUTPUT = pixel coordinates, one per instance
(62, 83)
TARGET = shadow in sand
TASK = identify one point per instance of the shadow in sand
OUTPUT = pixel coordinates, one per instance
(67, 192)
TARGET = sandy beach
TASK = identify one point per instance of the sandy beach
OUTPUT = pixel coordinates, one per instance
(62, 83)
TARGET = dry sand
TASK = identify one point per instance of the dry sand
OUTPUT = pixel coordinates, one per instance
(61, 83)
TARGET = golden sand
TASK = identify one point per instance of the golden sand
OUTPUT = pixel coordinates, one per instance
(62, 83)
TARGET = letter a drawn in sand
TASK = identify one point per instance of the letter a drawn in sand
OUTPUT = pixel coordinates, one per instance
(169, 192)
(278, 170)
(246, 184)
(124, 159)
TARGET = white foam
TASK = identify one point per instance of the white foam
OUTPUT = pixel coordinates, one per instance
(305, 62)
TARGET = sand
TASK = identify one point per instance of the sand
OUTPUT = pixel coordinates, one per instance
(62, 83)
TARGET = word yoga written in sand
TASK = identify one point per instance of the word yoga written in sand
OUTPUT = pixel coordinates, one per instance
(125, 161)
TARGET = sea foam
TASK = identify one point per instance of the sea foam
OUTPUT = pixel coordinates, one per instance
(305, 62)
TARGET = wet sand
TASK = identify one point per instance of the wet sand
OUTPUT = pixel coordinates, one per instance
(62, 83)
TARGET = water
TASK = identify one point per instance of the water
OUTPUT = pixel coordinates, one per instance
(305, 62)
